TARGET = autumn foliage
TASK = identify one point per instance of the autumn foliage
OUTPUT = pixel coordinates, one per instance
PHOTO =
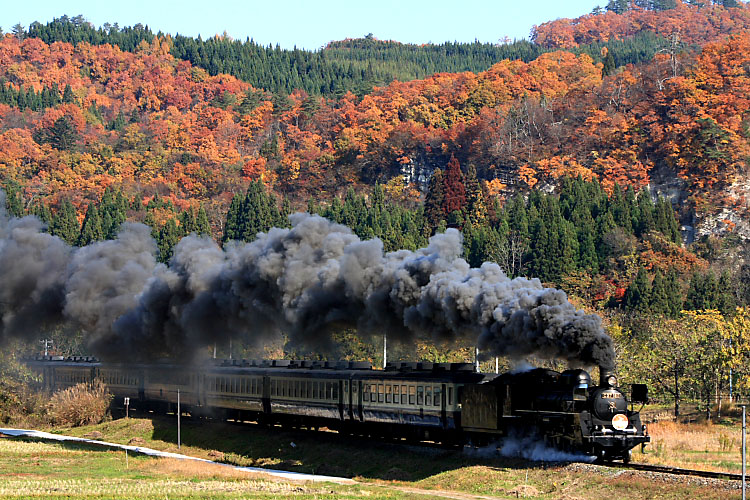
(695, 24)
(147, 123)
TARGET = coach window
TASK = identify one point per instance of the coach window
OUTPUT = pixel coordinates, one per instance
(336, 390)
(412, 394)
(428, 396)
(388, 388)
(403, 395)
(373, 392)
(450, 395)
(420, 395)
(381, 392)
(315, 390)
(437, 395)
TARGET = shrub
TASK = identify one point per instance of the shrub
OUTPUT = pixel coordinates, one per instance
(82, 404)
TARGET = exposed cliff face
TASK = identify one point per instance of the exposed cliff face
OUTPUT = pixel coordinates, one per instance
(731, 218)
(727, 214)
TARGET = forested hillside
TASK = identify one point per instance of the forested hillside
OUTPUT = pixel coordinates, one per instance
(353, 65)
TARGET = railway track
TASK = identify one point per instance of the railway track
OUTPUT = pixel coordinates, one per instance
(682, 472)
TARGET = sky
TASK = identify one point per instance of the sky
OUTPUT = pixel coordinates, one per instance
(312, 24)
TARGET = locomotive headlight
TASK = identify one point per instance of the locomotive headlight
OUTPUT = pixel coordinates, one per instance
(612, 381)
(620, 422)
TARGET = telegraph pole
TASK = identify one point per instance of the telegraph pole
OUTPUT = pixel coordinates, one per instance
(385, 350)
(179, 443)
(744, 451)
(47, 344)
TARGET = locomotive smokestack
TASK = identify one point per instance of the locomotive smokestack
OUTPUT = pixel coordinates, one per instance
(607, 377)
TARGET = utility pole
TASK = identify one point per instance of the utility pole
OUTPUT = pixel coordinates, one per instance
(385, 350)
(179, 441)
(476, 359)
(744, 451)
(497, 365)
(47, 344)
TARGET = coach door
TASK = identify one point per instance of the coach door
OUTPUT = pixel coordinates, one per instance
(443, 418)
(342, 395)
(358, 396)
(266, 398)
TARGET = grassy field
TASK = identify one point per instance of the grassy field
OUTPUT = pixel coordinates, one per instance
(41, 470)
(692, 442)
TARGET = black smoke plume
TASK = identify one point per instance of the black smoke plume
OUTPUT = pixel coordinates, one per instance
(307, 282)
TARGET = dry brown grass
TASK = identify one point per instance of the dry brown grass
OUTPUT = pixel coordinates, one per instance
(82, 404)
(202, 470)
(700, 445)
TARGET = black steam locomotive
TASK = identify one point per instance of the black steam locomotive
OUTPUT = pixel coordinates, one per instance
(441, 402)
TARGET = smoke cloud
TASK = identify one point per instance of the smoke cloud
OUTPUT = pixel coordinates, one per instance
(306, 281)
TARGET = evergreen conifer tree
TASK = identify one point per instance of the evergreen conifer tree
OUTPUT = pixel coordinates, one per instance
(167, 238)
(659, 300)
(638, 294)
(476, 211)
(232, 230)
(433, 203)
(65, 223)
(92, 227)
(454, 198)
(674, 294)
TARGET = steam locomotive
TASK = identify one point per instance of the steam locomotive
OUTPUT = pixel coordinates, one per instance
(440, 402)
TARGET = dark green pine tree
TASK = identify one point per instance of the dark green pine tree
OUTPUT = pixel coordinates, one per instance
(232, 229)
(703, 292)
(167, 238)
(433, 203)
(674, 294)
(666, 222)
(42, 211)
(568, 241)
(587, 256)
(113, 209)
(68, 96)
(13, 199)
(609, 65)
(65, 223)
(725, 301)
(92, 227)
(659, 300)
(188, 224)
(62, 135)
(645, 213)
(638, 294)
(605, 224)
(202, 224)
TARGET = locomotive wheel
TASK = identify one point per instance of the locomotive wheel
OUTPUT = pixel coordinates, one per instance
(627, 457)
